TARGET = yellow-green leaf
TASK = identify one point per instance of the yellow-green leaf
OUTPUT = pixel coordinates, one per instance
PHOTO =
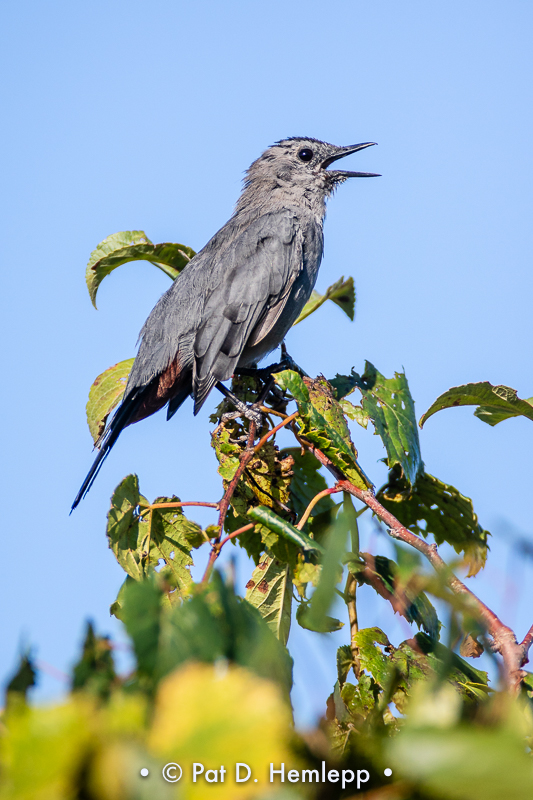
(105, 394)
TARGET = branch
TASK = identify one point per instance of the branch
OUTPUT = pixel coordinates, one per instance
(350, 593)
(316, 499)
(179, 505)
(504, 637)
(525, 644)
(236, 533)
(246, 456)
(272, 432)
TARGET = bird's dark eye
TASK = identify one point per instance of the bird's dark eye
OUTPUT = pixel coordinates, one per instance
(305, 154)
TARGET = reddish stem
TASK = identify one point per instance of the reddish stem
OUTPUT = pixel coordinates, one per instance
(235, 533)
(504, 638)
(246, 456)
(316, 499)
(272, 432)
(179, 505)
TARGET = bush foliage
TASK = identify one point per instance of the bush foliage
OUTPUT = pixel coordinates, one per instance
(212, 678)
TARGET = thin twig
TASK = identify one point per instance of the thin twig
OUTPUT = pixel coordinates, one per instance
(525, 644)
(267, 410)
(246, 456)
(179, 505)
(316, 499)
(350, 592)
(235, 533)
(272, 432)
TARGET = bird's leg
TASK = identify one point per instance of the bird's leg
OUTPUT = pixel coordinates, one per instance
(251, 413)
(286, 362)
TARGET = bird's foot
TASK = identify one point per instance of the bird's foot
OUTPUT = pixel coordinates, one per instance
(286, 362)
(251, 413)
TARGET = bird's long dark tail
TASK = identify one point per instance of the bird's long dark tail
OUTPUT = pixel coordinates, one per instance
(121, 418)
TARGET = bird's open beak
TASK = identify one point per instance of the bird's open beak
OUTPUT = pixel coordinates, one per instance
(346, 151)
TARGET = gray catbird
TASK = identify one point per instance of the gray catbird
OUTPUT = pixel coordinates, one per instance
(237, 298)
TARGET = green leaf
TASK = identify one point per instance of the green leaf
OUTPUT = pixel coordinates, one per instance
(306, 483)
(411, 603)
(119, 248)
(496, 403)
(116, 608)
(265, 516)
(331, 572)
(106, 393)
(341, 292)
(445, 662)
(142, 615)
(457, 761)
(323, 423)
(172, 536)
(357, 413)
(95, 671)
(265, 481)
(325, 624)
(126, 540)
(142, 536)
(371, 656)
(436, 508)
(389, 404)
(270, 591)
(343, 385)
(344, 662)
(214, 625)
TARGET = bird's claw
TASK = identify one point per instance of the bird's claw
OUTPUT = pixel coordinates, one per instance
(250, 412)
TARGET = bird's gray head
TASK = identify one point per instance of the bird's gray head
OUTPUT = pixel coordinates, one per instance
(295, 171)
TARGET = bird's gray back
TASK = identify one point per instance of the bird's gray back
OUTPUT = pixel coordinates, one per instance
(247, 285)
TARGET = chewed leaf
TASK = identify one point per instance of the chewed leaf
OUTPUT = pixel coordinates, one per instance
(106, 393)
(142, 536)
(496, 403)
(342, 293)
(120, 248)
(437, 508)
(389, 404)
(323, 423)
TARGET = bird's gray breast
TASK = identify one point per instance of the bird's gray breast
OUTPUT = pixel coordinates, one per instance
(312, 245)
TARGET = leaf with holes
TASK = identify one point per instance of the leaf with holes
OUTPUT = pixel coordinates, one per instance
(323, 424)
(120, 248)
(105, 394)
(344, 662)
(266, 481)
(495, 403)
(389, 404)
(342, 293)
(142, 536)
(436, 508)
(270, 591)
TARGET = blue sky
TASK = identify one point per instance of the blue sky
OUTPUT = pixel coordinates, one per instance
(138, 115)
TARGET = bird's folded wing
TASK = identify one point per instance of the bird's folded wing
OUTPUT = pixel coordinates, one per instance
(259, 271)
